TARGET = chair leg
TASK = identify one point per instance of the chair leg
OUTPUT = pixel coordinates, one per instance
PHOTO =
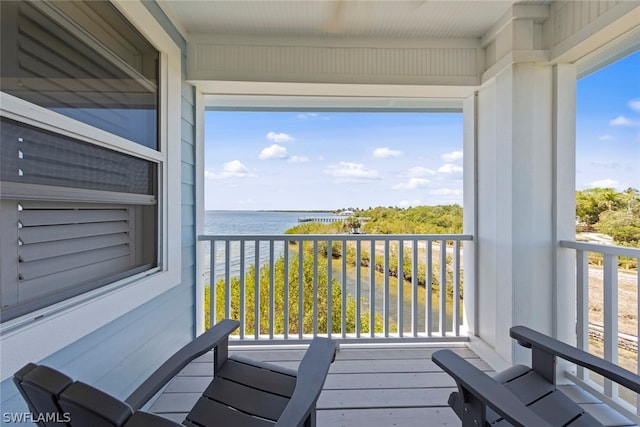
(311, 419)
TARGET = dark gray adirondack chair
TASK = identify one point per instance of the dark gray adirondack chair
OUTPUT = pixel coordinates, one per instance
(243, 392)
(523, 396)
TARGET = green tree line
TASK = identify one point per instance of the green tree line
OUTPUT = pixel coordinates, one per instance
(608, 211)
(441, 219)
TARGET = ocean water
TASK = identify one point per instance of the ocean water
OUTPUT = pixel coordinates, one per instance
(252, 222)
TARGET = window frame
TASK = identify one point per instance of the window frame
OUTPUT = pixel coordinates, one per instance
(35, 335)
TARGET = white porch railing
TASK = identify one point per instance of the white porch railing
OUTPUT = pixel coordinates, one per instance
(410, 288)
(607, 328)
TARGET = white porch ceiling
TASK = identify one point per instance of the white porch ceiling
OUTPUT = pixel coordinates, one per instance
(375, 19)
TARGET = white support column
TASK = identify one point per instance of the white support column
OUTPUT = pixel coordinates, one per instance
(515, 211)
(564, 201)
(200, 208)
(470, 134)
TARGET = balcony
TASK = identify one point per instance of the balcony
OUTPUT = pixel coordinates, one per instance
(386, 377)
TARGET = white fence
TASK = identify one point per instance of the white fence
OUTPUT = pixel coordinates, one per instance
(411, 287)
(607, 329)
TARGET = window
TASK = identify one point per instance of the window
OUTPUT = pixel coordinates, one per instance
(78, 207)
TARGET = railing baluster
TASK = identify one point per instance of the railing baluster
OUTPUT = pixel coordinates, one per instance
(443, 287)
(213, 318)
(301, 290)
(329, 288)
(400, 288)
(241, 303)
(610, 302)
(256, 290)
(386, 289)
(429, 289)
(358, 288)
(456, 288)
(227, 279)
(414, 288)
(272, 288)
(343, 285)
(286, 290)
(315, 287)
(582, 309)
(372, 289)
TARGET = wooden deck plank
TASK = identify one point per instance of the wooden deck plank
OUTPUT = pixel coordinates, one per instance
(393, 380)
(388, 417)
(367, 385)
(387, 398)
(351, 366)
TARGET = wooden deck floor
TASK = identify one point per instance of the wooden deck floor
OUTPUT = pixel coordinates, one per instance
(368, 385)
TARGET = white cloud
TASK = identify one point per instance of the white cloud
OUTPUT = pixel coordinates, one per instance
(412, 184)
(419, 171)
(606, 137)
(349, 170)
(623, 121)
(279, 137)
(604, 183)
(274, 151)
(232, 169)
(634, 104)
(450, 168)
(385, 153)
(452, 157)
(298, 159)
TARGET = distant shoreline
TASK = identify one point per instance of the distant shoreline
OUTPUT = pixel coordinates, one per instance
(272, 210)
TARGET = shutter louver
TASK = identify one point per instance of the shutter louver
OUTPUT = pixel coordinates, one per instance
(63, 248)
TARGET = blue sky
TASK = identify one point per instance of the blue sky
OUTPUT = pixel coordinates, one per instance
(331, 160)
(608, 126)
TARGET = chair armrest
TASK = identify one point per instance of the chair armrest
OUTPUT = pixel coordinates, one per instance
(475, 385)
(218, 334)
(312, 373)
(529, 338)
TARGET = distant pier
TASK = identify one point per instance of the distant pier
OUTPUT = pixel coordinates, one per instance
(328, 219)
(321, 218)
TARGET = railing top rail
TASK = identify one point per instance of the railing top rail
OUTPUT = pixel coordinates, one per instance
(365, 237)
(600, 248)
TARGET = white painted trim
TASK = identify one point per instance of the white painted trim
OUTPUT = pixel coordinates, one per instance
(331, 103)
(533, 12)
(175, 21)
(35, 336)
(16, 190)
(199, 191)
(614, 23)
(338, 42)
(564, 201)
(222, 87)
(609, 53)
(25, 112)
(470, 215)
(513, 57)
